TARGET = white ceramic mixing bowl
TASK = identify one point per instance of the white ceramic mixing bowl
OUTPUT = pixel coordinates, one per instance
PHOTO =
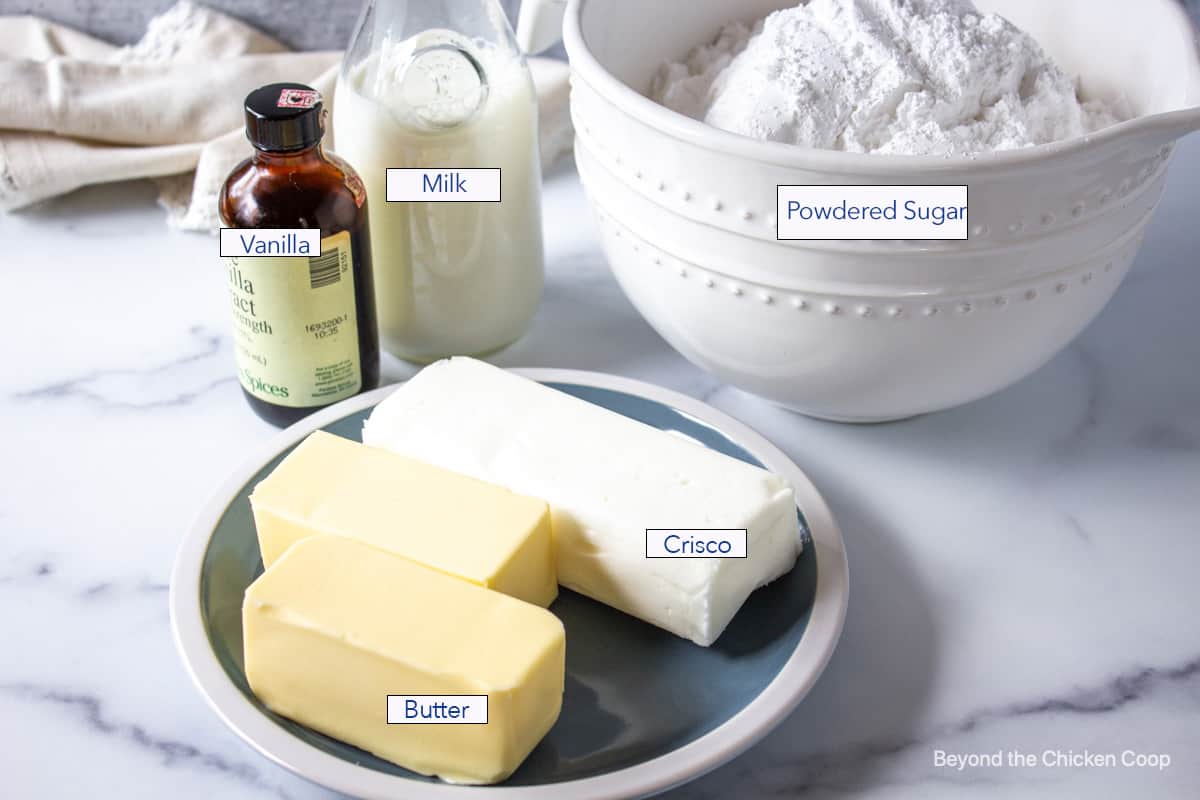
(869, 330)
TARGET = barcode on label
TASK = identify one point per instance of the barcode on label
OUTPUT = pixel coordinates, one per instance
(325, 269)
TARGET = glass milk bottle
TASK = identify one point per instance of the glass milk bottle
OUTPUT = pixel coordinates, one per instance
(440, 86)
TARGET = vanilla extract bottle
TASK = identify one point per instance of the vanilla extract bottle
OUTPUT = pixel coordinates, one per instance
(304, 320)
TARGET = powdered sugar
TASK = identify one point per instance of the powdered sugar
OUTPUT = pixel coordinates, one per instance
(881, 76)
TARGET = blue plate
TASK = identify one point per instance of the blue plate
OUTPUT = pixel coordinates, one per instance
(635, 694)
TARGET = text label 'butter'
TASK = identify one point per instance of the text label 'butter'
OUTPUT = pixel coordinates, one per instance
(437, 709)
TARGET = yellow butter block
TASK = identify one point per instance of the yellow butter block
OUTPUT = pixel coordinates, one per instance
(335, 626)
(474, 530)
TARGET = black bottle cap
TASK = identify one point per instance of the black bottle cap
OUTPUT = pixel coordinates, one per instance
(284, 116)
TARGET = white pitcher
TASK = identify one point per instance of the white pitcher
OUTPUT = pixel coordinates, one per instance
(441, 86)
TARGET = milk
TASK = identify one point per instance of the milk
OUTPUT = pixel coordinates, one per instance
(450, 278)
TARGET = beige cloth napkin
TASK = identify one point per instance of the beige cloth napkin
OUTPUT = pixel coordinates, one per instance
(76, 111)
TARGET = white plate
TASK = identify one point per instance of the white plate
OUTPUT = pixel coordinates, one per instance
(613, 745)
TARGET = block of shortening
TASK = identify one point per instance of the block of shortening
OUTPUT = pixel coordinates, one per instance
(336, 626)
(608, 479)
(483, 533)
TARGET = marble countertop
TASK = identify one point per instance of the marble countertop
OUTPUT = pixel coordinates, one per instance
(1023, 569)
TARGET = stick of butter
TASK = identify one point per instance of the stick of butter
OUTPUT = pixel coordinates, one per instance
(607, 478)
(335, 626)
(476, 531)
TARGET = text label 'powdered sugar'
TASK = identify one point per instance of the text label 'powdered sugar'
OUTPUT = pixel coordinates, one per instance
(872, 212)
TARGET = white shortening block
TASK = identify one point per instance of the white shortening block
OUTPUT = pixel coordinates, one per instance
(607, 479)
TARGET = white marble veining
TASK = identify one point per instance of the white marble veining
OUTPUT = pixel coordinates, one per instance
(1023, 569)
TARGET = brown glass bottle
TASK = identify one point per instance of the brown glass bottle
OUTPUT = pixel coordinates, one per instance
(307, 359)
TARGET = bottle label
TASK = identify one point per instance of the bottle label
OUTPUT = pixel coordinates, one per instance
(295, 325)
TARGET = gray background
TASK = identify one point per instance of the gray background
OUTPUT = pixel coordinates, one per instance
(302, 24)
